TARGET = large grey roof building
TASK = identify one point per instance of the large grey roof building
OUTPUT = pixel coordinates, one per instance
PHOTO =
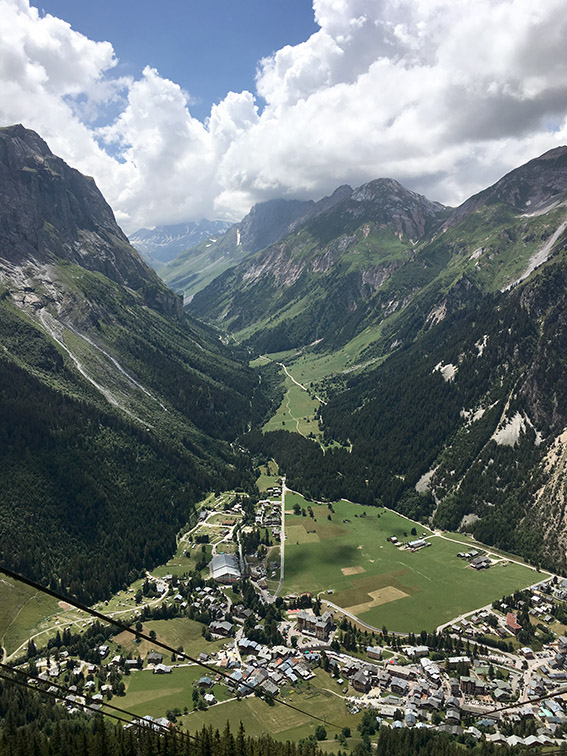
(224, 568)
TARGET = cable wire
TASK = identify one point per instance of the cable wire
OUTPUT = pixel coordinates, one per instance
(526, 703)
(155, 642)
(28, 676)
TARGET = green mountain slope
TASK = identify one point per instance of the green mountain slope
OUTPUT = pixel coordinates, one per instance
(266, 223)
(383, 259)
(130, 406)
(456, 411)
(316, 283)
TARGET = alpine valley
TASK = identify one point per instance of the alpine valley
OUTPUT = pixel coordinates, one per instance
(238, 467)
(437, 337)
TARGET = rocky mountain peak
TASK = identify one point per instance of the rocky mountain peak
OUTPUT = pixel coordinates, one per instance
(386, 202)
(533, 188)
(50, 212)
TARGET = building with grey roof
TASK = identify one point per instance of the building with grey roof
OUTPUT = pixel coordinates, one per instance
(224, 568)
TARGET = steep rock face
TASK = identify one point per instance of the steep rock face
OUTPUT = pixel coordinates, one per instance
(387, 202)
(50, 212)
(265, 224)
(532, 188)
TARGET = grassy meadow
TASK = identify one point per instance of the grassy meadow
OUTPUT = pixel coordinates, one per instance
(383, 584)
(297, 412)
(322, 697)
(22, 610)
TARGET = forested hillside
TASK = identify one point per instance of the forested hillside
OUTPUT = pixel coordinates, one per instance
(118, 409)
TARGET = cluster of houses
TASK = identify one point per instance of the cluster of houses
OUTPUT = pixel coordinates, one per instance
(487, 622)
(268, 669)
(268, 515)
(425, 694)
(477, 559)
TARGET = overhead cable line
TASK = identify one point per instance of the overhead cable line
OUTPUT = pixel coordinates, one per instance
(26, 676)
(161, 644)
(141, 723)
(526, 703)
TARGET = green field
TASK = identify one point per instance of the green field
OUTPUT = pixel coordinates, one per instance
(296, 413)
(279, 721)
(22, 610)
(268, 477)
(147, 693)
(176, 632)
(382, 584)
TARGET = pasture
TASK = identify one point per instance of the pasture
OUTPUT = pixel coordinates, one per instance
(22, 612)
(381, 583)
(321, 697)
(268, 477)
(147, 693)
(297, 412)
(176, 632)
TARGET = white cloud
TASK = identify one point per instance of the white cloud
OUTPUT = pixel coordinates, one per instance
(444, 95)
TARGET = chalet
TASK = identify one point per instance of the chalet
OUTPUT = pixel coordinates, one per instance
(374, 652)
(406, 673)
(221, 628)
(154, 658)
(512, 623)
(399, 686)
(410, 718)
(269, 688)
(453, 717)
(468, 685)
(361, 681)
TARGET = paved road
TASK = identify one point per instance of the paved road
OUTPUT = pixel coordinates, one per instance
(282, 541)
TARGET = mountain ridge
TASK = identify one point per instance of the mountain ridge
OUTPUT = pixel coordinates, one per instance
(130, 405)
(265, 224)
(162, 244)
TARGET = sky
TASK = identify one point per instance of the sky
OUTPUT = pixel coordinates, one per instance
(190, 109)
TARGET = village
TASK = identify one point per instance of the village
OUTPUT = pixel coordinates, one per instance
(471, 678)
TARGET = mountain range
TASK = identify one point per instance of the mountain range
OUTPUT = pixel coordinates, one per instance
(434, 336)
(266, 222)
(161, 244)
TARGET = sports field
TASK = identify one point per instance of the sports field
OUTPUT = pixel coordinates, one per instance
(380, 583)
